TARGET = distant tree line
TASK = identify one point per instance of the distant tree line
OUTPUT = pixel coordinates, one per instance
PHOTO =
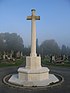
(50, 47)
(10, 42)
(13, 42)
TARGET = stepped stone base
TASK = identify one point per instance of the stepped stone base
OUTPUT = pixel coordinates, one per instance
(33, 74)
(15, 80)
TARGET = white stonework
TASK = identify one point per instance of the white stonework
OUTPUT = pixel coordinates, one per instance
(33, 62)
(33, 74)
(52, 79)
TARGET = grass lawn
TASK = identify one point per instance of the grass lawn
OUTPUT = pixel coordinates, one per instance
(45, 62)
(17, 62)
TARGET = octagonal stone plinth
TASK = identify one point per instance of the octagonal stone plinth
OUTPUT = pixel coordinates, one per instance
(33, 75)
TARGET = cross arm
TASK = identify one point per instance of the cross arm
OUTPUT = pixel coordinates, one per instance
(37, 17)
(29, 17)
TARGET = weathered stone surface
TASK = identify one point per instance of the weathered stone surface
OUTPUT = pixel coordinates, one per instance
(15, 80)
(33, 74)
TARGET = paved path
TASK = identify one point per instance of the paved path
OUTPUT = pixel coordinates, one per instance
(64, 88)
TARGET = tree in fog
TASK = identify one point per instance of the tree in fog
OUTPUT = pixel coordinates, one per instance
(10, 42)
(64, 50)
(49, 47)
(26, 51)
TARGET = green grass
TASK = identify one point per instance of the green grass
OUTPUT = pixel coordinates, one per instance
(18, 62)
(65, 64)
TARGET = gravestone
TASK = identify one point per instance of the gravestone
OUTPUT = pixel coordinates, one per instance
(21, 54)
(4, 55)
(18, 54)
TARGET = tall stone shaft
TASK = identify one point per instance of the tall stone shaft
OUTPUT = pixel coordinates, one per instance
(33, 35)
(33, 31)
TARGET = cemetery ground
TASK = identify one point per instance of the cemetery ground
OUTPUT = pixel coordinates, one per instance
(45, 62)
(10, 68)
(61, 63)
(6, 62)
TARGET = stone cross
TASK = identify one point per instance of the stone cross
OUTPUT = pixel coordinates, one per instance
(33, 18)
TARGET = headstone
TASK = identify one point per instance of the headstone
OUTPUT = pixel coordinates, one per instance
(50, 58)
(53, 59)
(64, 57)
(18, 54)
(21, 54)
(4, 55)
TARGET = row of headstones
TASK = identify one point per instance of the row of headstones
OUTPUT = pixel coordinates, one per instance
(10, 56)
(60, 59)
(54, 58)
